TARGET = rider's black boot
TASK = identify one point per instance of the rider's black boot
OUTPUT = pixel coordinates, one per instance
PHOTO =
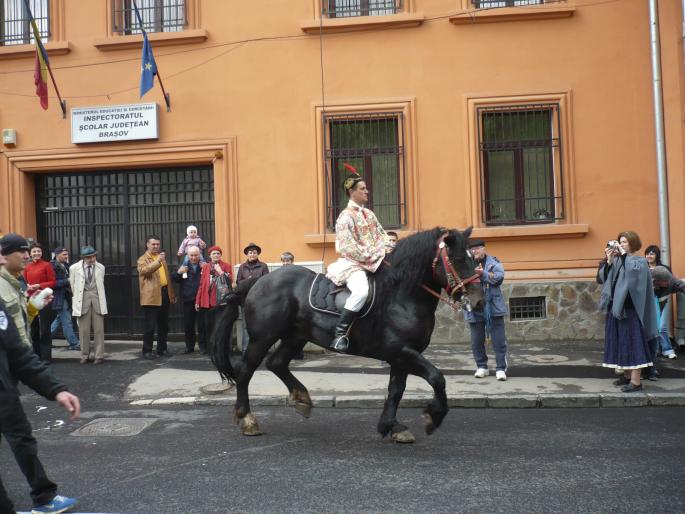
(340, 341)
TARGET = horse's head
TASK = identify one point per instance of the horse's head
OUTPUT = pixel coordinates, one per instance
(456, 268)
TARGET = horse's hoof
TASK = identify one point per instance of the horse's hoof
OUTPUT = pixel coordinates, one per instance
(430, 426)
(250, 426)
(404, 437)
(303, 408)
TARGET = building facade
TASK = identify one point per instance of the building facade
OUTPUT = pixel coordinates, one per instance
(531, 121)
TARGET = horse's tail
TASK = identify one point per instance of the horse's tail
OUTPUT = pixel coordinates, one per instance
(222, 335)
(221, 340)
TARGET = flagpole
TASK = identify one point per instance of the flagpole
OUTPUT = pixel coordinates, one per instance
(167, 99)
(62, 103)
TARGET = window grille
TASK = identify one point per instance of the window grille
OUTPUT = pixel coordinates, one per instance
(351, 8)
(527, 308)
(157, 15)
(521, 173)
(489, 4)
(374, 144)
(15, 26)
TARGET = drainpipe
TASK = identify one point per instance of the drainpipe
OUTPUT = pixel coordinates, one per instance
(665, 241)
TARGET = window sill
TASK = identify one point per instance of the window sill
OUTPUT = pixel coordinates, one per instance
(512, 14)
(328, 239)
(20, 51)
(331, 25)
(157, 39)
(550, 231)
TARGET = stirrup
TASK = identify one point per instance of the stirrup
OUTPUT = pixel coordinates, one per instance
(341, 344)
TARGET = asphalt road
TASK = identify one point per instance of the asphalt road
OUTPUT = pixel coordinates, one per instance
(193, 460)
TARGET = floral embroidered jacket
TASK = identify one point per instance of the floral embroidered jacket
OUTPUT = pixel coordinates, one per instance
(360, 240)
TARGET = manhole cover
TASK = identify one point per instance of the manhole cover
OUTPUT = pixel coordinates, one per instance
(216, 388)
(118, 427)
(545, 359)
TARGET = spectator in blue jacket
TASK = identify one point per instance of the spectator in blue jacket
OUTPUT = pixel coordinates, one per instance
(489, 322)
(188, 276)
(62, 292)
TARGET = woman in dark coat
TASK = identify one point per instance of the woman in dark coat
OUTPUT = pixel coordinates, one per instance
(628, 300)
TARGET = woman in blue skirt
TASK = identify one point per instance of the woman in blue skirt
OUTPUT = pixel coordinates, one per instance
(628, 300)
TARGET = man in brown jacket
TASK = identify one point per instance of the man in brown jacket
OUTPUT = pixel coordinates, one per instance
(156, 293)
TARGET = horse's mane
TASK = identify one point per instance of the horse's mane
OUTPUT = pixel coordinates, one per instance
(411, 261)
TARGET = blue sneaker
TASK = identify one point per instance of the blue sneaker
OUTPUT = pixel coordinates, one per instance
(58, 504)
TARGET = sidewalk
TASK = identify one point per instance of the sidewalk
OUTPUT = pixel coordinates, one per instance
(541, 374)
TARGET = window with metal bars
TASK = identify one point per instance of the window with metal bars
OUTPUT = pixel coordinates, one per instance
(374, 144)
(520, 154)
(15, 25)
(157, 16)
(350, 8)
(489, 4)
(527, 308)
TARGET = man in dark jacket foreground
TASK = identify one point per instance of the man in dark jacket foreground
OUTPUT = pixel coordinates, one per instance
(19, 363)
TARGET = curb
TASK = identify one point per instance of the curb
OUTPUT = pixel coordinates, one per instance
(523, 401)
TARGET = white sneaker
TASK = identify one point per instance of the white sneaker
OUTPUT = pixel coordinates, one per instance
(481, 373)
(501, 375)
(672, 356)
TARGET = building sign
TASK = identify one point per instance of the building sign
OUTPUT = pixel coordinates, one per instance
(114, 123)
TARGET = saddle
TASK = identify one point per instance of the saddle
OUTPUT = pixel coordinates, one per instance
(326, 296)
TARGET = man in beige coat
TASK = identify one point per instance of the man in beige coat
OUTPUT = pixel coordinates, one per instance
(89, 304)
(156, 293)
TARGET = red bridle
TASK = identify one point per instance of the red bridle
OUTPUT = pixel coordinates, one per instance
(455, 284)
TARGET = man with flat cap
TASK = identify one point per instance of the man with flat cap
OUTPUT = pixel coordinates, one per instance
(87, 279)
(361, 242)
(490, 322)
(251, 268)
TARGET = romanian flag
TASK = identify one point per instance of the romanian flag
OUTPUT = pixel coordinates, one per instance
(40, 74)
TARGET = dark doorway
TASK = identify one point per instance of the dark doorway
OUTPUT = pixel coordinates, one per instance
(114, 211)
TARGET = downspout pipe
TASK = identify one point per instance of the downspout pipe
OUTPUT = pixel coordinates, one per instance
(657, 93)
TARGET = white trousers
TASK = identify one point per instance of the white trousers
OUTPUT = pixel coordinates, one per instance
(358, 285)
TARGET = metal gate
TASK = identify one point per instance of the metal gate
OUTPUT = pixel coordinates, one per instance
(114, 211)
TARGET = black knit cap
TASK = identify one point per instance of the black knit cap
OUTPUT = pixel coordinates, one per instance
(11, 243)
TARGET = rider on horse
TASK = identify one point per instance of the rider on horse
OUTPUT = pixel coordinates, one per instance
(361, 242)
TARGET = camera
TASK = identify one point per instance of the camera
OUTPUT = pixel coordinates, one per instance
(615, 247)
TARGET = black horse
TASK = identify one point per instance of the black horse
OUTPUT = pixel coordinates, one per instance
(397, 330)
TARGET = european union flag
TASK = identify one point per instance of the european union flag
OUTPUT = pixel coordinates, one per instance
(148, 67)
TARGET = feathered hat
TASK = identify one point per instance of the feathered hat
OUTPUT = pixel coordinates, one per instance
(352, 180)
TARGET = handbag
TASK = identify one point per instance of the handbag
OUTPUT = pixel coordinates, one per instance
(223, 288)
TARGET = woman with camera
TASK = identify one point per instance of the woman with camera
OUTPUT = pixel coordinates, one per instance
(628, 300)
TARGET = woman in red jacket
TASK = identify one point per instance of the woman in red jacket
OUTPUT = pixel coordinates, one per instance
(40, 274)
(206, 293)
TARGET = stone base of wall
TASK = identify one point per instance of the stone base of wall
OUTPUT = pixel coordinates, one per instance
(571, 313)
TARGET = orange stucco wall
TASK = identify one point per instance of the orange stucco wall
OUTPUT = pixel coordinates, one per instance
(256, 103)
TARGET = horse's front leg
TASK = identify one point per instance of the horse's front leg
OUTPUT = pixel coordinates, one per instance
(388, 422)
(413, 362)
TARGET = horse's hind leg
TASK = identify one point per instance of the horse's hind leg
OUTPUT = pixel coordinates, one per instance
(413, 362)
(388, 422)
(278, 363)
(242, 414)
